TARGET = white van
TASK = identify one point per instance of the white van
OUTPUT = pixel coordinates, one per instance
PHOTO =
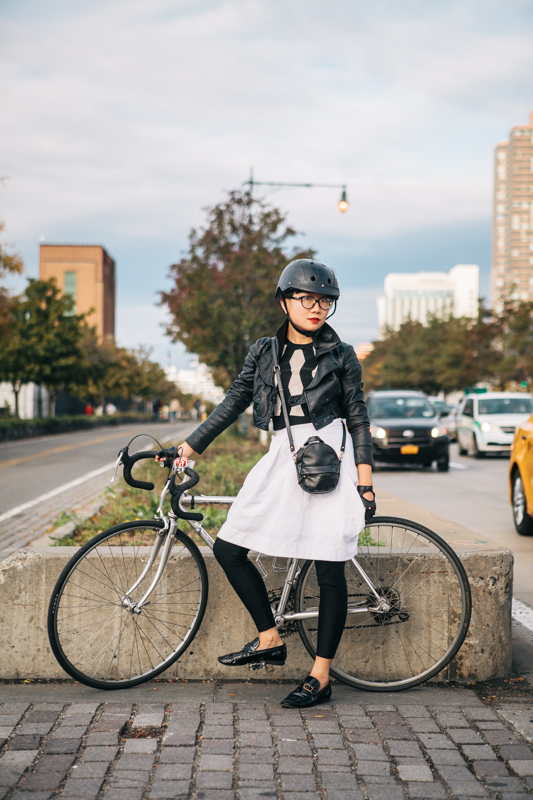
(486, 423)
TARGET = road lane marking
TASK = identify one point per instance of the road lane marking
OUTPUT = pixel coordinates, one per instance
(522, 614)
(455, 465)
(66, 486)
(22, 459)
(19, 509)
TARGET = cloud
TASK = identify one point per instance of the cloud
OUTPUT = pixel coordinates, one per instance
(356, 318)
(144, 324)
(123, 119)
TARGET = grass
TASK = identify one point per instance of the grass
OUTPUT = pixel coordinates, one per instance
(222, 472)
(366, 540)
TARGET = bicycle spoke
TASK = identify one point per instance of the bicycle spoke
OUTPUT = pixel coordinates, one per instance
(101, 635)
(411, 635)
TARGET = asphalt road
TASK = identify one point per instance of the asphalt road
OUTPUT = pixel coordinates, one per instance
(32, 467)
(474, 494)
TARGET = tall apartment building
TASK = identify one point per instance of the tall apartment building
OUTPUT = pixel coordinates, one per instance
(512, 232)
(417, 295)
(87, 273)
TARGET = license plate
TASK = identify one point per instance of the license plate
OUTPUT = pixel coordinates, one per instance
(409, 450)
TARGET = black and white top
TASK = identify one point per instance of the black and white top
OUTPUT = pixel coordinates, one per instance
(297, 366)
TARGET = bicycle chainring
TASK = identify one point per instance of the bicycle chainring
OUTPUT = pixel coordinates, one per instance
(288, 628)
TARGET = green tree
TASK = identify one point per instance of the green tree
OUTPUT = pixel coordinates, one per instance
(443, 355)
(10, 264)
(515, 345)
(115, 372)
(44, 343)
(222, 297)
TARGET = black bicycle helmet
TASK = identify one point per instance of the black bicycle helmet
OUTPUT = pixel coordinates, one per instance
(307, 275)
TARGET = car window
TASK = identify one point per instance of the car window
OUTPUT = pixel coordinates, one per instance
(468, 410)
(505, 405)
(399, 408)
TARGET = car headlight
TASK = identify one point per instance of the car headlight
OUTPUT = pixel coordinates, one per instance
(378, 433)
(486, 427)
(438, 430)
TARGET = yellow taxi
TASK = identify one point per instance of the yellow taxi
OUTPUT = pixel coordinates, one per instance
(521, 478)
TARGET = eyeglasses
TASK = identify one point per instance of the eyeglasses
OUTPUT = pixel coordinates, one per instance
(309, 302)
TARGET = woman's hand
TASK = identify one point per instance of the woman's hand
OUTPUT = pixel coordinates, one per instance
(369, 498)
(182, 451)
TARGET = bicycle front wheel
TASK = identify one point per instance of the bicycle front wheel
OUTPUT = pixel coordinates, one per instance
(419, 620)
(94, 630)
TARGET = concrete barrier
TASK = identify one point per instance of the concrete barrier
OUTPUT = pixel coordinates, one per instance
(28, 576)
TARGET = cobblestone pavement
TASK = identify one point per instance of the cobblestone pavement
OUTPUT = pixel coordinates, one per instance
(243, 750)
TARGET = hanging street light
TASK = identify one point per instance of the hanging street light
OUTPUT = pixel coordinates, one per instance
(343, 204)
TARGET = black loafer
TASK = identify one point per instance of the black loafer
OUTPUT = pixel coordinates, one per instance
(251, 655)
(307, 694)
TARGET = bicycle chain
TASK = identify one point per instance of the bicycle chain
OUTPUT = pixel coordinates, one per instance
(290, 628)
(403, 616)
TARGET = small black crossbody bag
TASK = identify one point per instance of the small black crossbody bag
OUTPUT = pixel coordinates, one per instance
(318, 466)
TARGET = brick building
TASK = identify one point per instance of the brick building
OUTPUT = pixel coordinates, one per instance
(512, 234)
(87, 273)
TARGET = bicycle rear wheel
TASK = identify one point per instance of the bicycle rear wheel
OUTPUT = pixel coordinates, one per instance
(425, 607)
(96, 637)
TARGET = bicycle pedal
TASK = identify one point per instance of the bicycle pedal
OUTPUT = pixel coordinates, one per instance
(257, 665)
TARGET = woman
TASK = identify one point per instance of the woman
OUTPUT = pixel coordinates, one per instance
(321, 380)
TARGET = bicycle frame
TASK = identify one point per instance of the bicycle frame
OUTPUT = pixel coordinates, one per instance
(293, 568)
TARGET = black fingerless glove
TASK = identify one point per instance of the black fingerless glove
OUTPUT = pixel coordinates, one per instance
(168, 455)
(370, 505)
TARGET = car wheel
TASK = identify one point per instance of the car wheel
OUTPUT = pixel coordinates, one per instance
(477, 452)
(462, 451)
(522, 521)
(444, 464)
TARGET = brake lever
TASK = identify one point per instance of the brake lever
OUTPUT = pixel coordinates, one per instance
(117, 465)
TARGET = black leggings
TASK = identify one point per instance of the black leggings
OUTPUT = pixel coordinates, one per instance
(246, 580)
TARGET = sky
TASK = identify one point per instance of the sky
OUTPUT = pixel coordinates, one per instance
(122, 120)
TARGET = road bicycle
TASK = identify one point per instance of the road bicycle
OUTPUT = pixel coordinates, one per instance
(131, 600)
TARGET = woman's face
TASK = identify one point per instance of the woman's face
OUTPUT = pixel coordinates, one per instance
(308, 319)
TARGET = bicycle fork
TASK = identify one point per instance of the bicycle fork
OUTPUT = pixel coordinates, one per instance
(165, 548)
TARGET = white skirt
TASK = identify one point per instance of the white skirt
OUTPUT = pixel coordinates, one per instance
(273, 515)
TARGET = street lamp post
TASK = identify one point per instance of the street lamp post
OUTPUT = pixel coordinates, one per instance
(343, 204)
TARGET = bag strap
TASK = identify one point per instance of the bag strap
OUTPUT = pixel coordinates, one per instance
(279, 387)
(343, 445)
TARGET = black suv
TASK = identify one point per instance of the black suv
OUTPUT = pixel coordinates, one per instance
(406, 429)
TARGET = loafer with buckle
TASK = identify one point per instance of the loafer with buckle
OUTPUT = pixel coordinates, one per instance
(307, 694)
(250, 655)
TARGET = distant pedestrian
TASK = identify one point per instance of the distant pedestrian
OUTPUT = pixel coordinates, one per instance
(88, 411)
(175, 409)
(110, 409)
(156, 408)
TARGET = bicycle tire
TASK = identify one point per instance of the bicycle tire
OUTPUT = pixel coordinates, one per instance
(377, 651)
(85, 620)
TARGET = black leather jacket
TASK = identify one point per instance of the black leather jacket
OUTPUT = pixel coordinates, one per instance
(336, 392)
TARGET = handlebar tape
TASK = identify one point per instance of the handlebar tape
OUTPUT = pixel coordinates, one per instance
(177, 491)
(129, 461)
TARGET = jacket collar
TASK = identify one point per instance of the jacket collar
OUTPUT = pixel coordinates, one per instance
(325, 338)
